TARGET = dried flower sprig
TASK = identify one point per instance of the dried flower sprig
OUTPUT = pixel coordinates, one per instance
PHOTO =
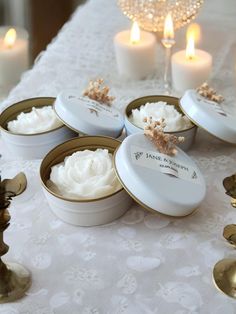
(96, 90)
(164, 142)
(208, 92)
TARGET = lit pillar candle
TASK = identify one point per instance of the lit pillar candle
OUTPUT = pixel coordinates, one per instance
(190, 67)
(14, 56)
(135, 52)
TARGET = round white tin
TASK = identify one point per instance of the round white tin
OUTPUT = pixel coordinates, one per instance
(170, 185)
(88, 116)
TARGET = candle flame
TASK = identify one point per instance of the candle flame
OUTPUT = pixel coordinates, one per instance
(194, 30)
(10, 38)
(135, 33)
(168, 27)
(190, 49)
(193, 35)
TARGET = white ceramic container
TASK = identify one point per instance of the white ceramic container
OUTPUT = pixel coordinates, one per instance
(31, 146)
(188, 134)
(83, 212)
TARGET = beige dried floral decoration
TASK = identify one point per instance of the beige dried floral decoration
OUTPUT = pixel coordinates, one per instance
(208, 92)
(96, 90)
(164, 142)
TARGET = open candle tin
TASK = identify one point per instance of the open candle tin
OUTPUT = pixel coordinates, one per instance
(31, 146)
(141, 176)
(83, 212)
(189, 134)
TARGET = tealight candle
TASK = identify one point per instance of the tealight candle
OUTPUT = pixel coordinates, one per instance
(190, 67)
(14, 57)
(135, 53)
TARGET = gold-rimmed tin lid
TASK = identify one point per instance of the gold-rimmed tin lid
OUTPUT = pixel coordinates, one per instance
(209, 115)
(172, 186)
(87, 116)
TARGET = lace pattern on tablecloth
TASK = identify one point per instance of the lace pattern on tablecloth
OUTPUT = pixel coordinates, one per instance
(140, 263)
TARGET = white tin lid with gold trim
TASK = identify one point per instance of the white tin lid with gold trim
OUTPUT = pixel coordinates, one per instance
(88, 116)
(170, 185)
(209, 115)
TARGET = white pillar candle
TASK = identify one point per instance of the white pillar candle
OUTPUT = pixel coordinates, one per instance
(135, 53)
(190, 67)
(14, 55)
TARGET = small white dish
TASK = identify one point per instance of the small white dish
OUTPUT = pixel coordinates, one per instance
(83, 212)
(31, 146)
(189, 134)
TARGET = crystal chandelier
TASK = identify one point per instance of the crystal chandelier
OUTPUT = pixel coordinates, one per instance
(150, 14)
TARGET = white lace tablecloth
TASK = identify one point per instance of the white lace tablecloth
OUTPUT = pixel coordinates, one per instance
(141, 263)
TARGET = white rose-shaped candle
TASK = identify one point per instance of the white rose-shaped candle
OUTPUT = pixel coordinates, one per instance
(38, 120)
(174, 120)
(190, 67)
(85, 175)
(135, 53)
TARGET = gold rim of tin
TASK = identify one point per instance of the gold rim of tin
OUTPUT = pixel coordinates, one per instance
(58, 154)
(138, 200)
(201, 127)
(11, 112)
(138, 102)
(77, 130)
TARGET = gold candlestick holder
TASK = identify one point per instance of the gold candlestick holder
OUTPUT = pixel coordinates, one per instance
(229, 184)
(15, 279)
(224, 272)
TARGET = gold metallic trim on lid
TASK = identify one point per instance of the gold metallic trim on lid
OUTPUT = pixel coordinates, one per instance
(154, 211)
(136, 103)
(11, 112)
(58, 154)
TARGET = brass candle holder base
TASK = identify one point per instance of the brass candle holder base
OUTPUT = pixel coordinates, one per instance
(15, 280)
(224, 274)
(229, 234)
(233, 202)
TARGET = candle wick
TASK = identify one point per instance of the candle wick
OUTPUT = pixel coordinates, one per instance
(8, 46)
(134, 42)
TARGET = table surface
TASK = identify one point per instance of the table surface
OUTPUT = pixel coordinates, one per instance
(140, 263)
